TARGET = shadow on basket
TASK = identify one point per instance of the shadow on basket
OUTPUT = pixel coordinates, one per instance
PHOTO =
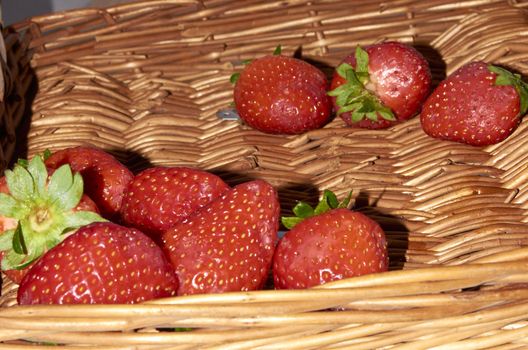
(18, 90)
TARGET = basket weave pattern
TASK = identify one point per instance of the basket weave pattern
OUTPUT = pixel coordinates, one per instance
(145, 80)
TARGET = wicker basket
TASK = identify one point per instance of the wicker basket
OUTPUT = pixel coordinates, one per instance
(145, 80)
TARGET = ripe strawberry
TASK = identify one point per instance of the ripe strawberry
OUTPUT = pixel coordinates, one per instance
(101, 263)
(85, 204)
(479, 104)
(228, 245)
(282, 95)
(37, 210)
(327, 243)
(105, 178)
(380, 85)
(159, 197)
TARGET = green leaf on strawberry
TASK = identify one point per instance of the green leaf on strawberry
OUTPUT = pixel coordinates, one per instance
(353, 96)
(44, 209)
(505, 77)
(303, 210)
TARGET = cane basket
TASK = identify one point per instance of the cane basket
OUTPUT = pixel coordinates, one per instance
(145, 80)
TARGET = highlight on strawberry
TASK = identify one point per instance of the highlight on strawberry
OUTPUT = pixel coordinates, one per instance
(278, 94)
(380, 85)
(39, 208)
(479, 104)
(327, 243)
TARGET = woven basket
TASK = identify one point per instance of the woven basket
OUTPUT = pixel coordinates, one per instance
(145, 81)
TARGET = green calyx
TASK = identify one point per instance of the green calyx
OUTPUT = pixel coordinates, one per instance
(303, 210)
(505, 77)
(43, 207)
(353, 96)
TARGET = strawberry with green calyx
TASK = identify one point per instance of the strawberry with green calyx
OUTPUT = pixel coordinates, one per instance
(44, 208)
(327, 243)
(479, 104)
(380, 85)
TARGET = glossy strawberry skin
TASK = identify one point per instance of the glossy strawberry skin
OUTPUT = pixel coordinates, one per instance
(105, 178)
(228, 245)
(102, 263)
(159, 197)
(8, 223)
(468, 107)
(331, 246)
(282, 95)
(401, 78)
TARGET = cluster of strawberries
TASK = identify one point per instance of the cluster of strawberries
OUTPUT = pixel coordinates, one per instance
(77, 226)
(378, 86)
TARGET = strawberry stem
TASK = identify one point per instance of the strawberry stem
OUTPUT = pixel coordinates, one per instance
(303, 210)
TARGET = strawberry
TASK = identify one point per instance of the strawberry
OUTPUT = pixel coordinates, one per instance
(106, 179)
(380, 85)
(228, 245)
(327, 243)
(282, 95)
(158, 197)
(37, 211)
(101, 263)
(479, 104)
(85, 204)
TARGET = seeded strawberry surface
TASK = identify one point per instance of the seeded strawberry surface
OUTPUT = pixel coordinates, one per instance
(105, 178)
(282, 95)
(469, 107)
(228, 245)
(102, 263)
(331, 246)
(159, 197)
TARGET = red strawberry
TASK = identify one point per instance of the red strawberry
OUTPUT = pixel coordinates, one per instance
(102, 263)
(85, 204)
(282, 95)
(479, 104)
(159, 197)
(105, 178)
(37, 210)
(228, 245)
(380, 85)
(328, 243)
